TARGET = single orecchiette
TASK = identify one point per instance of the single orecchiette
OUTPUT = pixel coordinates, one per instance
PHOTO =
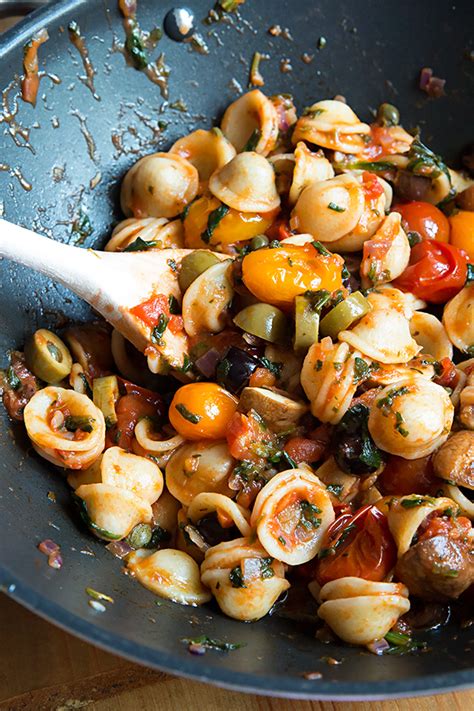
(407, 513)
(308, 168)
(283, 164)
(458, 319)
(144, 431)
(362, 611)
(386, 254)
(246, 183)
(162, 233)
(207, 299)
(329, 379)
(429, 333)
(66, 428)
(197, 467)
(206, 150)
(251, 119)
(383, 334)
(329, 209)
(411, 418)
(209, 502)
(110, 512)
(331, 124)
(171, 574)
(291, 514)
(382, 374)
(159, 185)
(245, 580)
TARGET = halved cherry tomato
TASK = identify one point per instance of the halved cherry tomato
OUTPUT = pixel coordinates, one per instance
(401, 477)
(276, 276)
(462, 231)
(437, 271)
(132, 406)
(230, 225)
(150, 311)
(454, 528)
(248, 438)
(360, 545)
(425, 219)
(202, 411)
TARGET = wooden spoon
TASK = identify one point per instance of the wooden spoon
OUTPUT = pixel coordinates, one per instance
(111, 282)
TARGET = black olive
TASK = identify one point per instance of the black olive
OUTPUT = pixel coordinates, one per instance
(353, 447)
(388, 115)
(233, 371)
(212, 532)
(411, 187)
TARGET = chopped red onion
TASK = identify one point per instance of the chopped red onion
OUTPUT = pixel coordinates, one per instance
(425, 76)
(120, 549)
(55, 560)
(433, 86)
(196, 649)
(378, 646)
(207, 363)
(48, 547)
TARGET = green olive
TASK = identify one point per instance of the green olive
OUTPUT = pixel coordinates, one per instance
(105, 393)
(193, 265)
(345, 314)
(265, 321)
(388, 115)
(140, 536)
(47, 356)
(258, 242)
(306, 324)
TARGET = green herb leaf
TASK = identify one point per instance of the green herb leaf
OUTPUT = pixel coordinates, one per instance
(189, 416)
(335, 489)
(422, 161)
(96, 595)
(235, 577)
(208, 643)
(187, 364)
(362, 369)
(212, 221)
(101, 532)
(159, 329)
(413, 238)
(272, 366)
(308, 516)
(379, 166)
(318, 299)
(415, 501)
(13, 380)
(266, 570)
(470, 273)
(336, 208)
(172, 265)
(140, 245)
(385, 403)
(252, 143)
(73, 423)
(322, 250)
(173, 304)
(81, 227)
(135, 46)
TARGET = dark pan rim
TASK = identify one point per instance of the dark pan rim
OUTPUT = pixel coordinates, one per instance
(196, 668)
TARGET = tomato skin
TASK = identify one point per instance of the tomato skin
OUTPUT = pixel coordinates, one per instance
(247, 438)
(437, 272)
(371, 185)
(462, 231)
(302, 449)
(279, 230)
(402, 477)
(425, 219)
(150, 311)
(362, 547)
(202, 411)
(276, 276)
(449, 375)
(453, 528)
(132, 406)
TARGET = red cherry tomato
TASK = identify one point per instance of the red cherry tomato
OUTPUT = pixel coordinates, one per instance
(424, 218)
(247, 437)
(360, 545)
(132, 406)
(401, 477)
(437, 271)
(453, 528)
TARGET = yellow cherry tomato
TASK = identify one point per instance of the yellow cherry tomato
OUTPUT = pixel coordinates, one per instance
(276, 276)
(462, 231)
(202, 411)
(230, 225)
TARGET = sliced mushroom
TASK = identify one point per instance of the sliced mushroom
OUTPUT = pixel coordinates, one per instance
(454, 460)
(280, 412)
(206, 301)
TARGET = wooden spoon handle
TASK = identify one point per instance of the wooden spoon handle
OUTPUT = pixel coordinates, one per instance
(78, 269)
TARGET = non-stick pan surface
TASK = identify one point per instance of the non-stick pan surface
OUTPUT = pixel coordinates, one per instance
(78, 149)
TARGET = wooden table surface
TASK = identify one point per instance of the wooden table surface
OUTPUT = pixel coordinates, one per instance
(43, 668)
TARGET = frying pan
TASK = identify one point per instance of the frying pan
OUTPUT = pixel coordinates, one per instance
(78, 149)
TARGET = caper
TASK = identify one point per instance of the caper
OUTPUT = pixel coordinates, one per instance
(258, 242)
(139, 536)
(265, 321)
(47, 356)
(193, 265)
(388, 115)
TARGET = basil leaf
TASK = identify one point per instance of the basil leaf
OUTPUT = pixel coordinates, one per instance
(139, 245)
(213, 220)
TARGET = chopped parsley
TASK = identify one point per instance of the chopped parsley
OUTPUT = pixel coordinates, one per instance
(73, 423)
(331, 550)
(213, 220)
(159, 329)
(308, 515)
(282, 540)
(135, 45)
(81, 227)
(172, 265)
(413, 238)
(399, 424)
(416, 501)
(266, 570)
(385, 403)
(13, 380)
(236, 578)
(271, 365)
(252, 143)
(362, 369)
(335, 207)
(321, 249)
(335, 489)
(402, 643)
(187, 364)
(189, 416)
(379, 166)
(283, 458)
(313, 113)
(422, 161)
(173, 304)
(208, 643)
(140, 245)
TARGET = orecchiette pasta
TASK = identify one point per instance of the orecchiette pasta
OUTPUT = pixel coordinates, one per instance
(111, 512)
(171, 574)
(208, 502)
(245, 580)
(429, 333)
(128, 471)
(407, 513)
(308, 168)
(386, 254)
(158, 232)
(144, 433)
(206, 301)
(458, 319)
(411, 418)
(331, 124)
(329, 380)
(291, 514)
(361, 611)
(197, 467)
(66, 428)
(246, 183)
(159, 185)
(252, 115)
(206, 150)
